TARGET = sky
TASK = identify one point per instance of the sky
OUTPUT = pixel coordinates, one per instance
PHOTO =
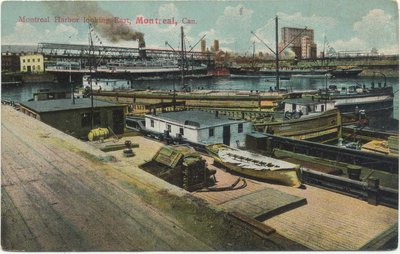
(338, 24)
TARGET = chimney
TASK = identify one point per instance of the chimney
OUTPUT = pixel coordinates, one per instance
(142, 49)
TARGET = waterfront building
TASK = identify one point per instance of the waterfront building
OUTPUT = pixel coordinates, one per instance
(32, 63)
(199, 127)
(75, 118)
(308, 48)
(299, 44)
(203, 45)
(216, 45)
(10, 62)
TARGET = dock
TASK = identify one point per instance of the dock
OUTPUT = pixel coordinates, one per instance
(62, 194)
(328, 220)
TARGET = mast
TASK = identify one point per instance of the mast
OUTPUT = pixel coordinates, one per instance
(91, 55)
(276, 53)
(254, 48)
(182, 57)
(182, 69)
(323, 56)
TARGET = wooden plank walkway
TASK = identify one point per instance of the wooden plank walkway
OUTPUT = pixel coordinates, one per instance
(256, 201)
(329, 221)
(263, 204)
(60, 194)
(54, 199)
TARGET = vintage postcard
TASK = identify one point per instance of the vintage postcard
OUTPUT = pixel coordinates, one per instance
(199, 125)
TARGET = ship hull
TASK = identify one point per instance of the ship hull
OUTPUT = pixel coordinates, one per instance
(129, 73)
(322, 127)
(345, 73)
(288, 73)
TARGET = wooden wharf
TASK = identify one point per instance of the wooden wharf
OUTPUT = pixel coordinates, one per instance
(61, 194)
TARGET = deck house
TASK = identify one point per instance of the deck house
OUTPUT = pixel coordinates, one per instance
(307, 105)
(75, 118)
(199, 127)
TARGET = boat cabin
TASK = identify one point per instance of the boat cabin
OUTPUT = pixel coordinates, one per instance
(75, 119)
(102, 84)
(47, 94)
(199, 127)
(307, 105)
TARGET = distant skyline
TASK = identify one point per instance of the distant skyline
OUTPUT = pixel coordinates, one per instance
(346, 24)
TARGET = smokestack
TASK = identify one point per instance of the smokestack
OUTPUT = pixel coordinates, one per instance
(142, 48)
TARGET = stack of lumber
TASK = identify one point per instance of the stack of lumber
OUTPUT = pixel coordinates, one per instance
(393, 143)
(376, 146)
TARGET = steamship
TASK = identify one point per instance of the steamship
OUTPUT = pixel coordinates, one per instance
(132, 64)
(288, 73)
(135, 69)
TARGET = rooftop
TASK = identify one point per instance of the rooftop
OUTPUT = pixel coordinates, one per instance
(197, 118)
(65, 104)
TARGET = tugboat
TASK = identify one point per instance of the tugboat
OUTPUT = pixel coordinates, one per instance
(349, 99)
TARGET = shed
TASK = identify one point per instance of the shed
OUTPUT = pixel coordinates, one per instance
(75, 118)
(256, 141)
(199, 127)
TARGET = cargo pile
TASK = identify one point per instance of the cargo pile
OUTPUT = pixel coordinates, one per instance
(181, 166)
(393, 143)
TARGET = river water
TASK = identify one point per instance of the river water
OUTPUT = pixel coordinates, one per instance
(25, 92)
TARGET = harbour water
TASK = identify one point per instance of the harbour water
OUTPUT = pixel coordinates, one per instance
(25, 92)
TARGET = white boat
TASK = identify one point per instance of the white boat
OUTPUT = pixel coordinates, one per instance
(255, 165)
(106, 84)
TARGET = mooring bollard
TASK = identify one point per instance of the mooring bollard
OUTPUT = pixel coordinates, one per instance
(354, 172)
(269, 146)
(373, 190)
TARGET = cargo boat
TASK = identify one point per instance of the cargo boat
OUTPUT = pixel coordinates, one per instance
(255, 165)
(323, 126)
(198, 98)
(347, 99)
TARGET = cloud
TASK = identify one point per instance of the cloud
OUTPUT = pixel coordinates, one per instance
(234, 15)
(168, 10)
(26, 33)
(353, 43)
(22, 33)
(298, 20)
(232, 28)
(375, 30)
(318, 23)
